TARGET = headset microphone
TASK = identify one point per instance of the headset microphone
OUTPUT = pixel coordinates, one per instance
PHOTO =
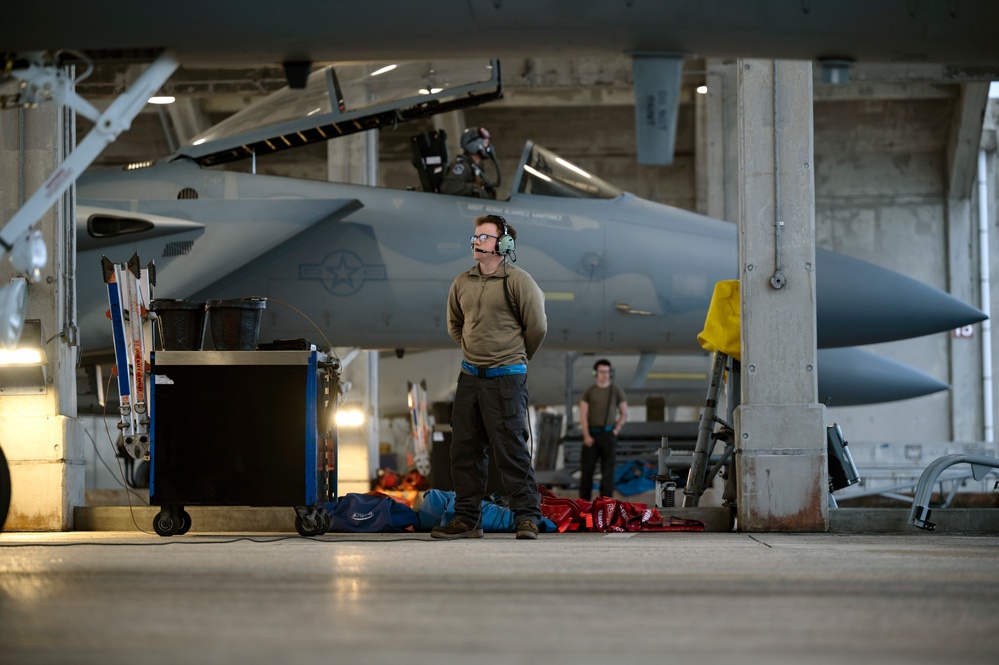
(505, 245)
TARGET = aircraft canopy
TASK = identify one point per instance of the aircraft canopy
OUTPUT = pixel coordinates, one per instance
(343, 99)
(543, 173)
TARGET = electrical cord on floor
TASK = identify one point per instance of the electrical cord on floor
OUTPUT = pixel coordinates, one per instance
(193, 539)
(131, 510)
(97, 452)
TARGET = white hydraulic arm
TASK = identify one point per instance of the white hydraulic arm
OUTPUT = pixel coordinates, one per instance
(43, 81)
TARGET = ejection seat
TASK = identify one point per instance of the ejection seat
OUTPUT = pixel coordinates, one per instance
(430, 159)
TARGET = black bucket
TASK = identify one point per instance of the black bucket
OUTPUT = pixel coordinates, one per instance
(235, 324)
(181, 324)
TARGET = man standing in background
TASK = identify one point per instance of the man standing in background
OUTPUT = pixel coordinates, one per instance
(603, 411)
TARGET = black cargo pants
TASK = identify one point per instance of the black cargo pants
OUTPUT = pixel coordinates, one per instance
(492, 412)
(603, 447)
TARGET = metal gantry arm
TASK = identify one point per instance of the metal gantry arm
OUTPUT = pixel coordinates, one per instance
(43, 81)
(919, 515)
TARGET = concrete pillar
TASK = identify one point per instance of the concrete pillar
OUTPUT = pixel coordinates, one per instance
(453, 124)
(188, 118)
(781, 447)
(703, 179)
(347, 159)
(717, 146)
(354, 159)
(41, 436)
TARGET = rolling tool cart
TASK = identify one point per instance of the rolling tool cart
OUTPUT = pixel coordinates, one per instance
(244, 428)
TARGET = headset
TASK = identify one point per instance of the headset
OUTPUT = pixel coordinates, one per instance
(505, 245)
(603, 361)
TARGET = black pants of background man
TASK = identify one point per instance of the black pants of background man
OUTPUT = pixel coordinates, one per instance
(603, 447)
(492, 412)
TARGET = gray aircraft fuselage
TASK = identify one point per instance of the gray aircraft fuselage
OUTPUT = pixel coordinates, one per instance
(371, 267)
(379, 276)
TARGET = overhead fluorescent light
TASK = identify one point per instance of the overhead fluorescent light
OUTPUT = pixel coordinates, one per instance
(162, 99)
(386, 68)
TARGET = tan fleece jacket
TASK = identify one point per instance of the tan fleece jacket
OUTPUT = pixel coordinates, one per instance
(481, 323)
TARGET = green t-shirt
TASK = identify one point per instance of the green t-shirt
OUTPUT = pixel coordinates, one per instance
(603, 413)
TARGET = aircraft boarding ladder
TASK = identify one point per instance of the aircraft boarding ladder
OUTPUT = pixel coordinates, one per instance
(129, 293)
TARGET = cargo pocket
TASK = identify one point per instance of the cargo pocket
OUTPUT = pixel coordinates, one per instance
(514, 411)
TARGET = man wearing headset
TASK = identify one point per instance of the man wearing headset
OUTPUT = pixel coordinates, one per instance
(603, 410)
(466, 177)
(496, 314)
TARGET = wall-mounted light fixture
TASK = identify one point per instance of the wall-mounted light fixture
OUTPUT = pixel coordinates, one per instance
(23, 367)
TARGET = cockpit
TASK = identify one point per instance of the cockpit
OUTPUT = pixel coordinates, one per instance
(544, 173)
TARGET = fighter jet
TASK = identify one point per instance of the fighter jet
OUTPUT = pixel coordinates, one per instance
(371, 267)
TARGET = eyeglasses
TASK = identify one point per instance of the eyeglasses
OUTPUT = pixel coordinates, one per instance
(482, 237)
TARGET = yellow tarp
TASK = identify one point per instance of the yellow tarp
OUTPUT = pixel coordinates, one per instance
(721, 326)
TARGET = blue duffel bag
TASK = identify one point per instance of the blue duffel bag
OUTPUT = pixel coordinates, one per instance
(369, 513)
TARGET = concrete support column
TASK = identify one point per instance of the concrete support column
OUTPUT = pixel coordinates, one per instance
(453, 124)
(348, 159)
(717, 142)
(780, 429)
(354, 159)
(41, 436)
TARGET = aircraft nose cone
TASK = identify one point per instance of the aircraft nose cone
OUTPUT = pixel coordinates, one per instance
(849, 377)
(860, 303)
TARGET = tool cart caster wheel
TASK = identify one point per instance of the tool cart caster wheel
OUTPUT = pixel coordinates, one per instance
(167, 523)
(185, 522)
(309, 526)
(326, 520)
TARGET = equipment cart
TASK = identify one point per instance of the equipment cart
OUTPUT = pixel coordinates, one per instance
(243, 428)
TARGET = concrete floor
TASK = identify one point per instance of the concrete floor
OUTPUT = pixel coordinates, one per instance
(113, 597)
